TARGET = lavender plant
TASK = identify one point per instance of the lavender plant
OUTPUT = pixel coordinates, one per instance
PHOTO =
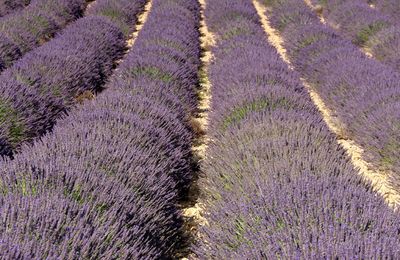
(43, 85)
(24, 31)
(162, 71)
(277, 185)
(366, 27)
(362, 92)
(106, 182)
(389, 7)
(11, 6)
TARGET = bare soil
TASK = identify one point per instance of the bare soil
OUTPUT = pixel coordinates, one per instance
(194, 214)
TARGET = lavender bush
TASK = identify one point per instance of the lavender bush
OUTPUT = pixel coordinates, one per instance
(11, 6)
(106, 182)
(161, 71)
(389, 7)
(277, 185)
(23, 31)
(362, 92)
(366, 27)
(44, 84)
(121, 12)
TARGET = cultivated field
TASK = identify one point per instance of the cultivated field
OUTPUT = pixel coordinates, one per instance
(199, 129)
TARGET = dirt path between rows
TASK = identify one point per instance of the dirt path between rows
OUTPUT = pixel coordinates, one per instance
(139, 26)
(378, 179)
(317, 9)
(195, 214)
(142, 18)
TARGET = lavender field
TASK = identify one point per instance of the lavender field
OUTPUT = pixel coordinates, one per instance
(199, 129)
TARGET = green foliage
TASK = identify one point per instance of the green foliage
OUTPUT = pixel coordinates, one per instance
(6, 111)
(23, 79)
(22, 186)
(233, 16)
(234, 31)
(102, 207)
(108, 170)
(389, 153)
(56, 91)
(9, 117)
(342, 88)
(367, 226)
(38, 22)
(232, 46)
(239, 113)
(75, 194)
(3, 189)
(240, 229)
(109, 237)
(153, 73)
(16, 133)
(284, 20)
(272, 3)
(226, 180)
(309, 40)
(202, 75)
(25, 187)
(167, 43)
(368, 31)
(280, 225)
(115, 15)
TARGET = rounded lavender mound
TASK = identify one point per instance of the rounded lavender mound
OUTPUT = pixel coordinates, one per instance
(362, 92)
(40, 21)
(277, 185)
(44, 84)
(107, 181)
(12, 6)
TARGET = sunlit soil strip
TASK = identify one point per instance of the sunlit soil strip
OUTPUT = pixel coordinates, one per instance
(318, 10)
(194, 214)
(141, 21)
(379, 179)
(142, 18)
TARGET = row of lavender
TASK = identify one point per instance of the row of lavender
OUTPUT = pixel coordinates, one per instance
(366, 27)
(362, 92)
(23, 31)
(44, 84)
(389, 7)
(106, 182)
(277, 184)
(8, 7)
